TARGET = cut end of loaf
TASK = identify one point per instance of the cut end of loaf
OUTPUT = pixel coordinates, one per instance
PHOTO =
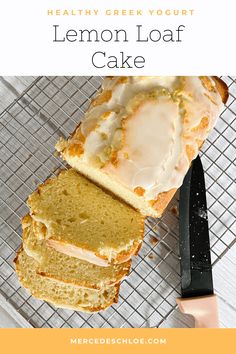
(107, 182)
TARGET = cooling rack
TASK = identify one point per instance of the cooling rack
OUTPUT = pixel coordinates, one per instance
(29, 128)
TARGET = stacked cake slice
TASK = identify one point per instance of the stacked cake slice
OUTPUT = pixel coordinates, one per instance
(77, 243)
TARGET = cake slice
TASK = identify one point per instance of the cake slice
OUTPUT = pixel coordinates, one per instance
(140, 135)
(58, 266)
(61, 294)
(76, 217)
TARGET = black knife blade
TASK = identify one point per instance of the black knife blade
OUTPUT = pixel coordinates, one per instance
(195, 258)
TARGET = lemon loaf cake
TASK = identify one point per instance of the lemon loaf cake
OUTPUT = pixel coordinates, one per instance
(58, 266)
(140, 135)
(78, 218)
(60, 294)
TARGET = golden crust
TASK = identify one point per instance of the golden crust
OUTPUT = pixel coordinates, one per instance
(103, 97)
(190, 152)
(75, 149)
(222, 88)
(162, 201)
(203, 125)
(207, 83)
(16, 260)
(26, 221)
(125, 256)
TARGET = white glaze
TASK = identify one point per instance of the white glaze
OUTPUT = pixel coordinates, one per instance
(154, 153)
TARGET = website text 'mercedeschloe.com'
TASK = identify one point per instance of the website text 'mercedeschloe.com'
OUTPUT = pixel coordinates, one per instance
(119, 340)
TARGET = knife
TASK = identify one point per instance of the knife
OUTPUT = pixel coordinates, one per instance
(198, 297)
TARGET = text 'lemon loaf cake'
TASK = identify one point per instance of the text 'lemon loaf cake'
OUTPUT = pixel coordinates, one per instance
(78, 218)
(58, 266)
(61, 294)
(140, 135)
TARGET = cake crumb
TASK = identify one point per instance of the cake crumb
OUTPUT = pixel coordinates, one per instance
(175, 210)
(151, 256)
(153, 240)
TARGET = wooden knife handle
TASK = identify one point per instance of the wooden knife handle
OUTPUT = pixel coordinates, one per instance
(204, 309)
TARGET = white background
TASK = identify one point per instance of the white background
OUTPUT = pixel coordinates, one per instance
(27, 47)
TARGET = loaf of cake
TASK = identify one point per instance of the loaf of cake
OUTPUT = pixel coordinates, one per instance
(77, 218)
(61, 294)
(140, 134)
(129, 155)
(70, 270)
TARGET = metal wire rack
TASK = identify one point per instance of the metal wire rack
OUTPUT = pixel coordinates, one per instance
(29, 128)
